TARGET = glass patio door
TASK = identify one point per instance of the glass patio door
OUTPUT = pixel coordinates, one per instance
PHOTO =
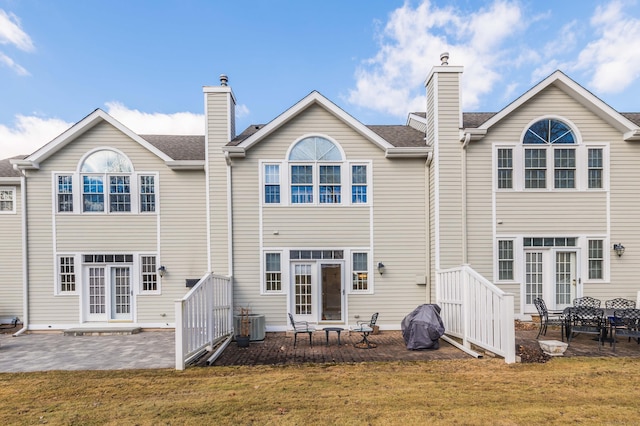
(331, 291)
(108, 293)
(303, 284)
(552, 275)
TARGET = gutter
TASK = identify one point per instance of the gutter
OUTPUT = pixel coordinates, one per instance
(25, 257)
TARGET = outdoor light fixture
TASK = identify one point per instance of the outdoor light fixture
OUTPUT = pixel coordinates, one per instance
(619, 248)
(161, 271)
(381, 268)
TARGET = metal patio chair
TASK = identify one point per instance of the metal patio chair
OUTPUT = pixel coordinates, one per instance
(301, 327)
(587, 301)
(620, 303)
(587, 320)
(547, 318)
(626, 324)
(365, 328)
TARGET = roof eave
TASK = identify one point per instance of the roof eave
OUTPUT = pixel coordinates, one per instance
(408, 152)
(235, 151)
(24, 165)
(633, 135)
(185, 164)
(10, 180)
(476, 133)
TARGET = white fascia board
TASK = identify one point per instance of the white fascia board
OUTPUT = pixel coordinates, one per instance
(314, 98)
(476, 133)
(10, 180)
(24, 165)
(417, 118)
(633, 135)
(96, 117)
(576, 91)
(235, 151)
(185, 164)
(408, 152)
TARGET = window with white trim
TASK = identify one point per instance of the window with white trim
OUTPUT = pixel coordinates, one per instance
(272, 183)
(66, 274)
(273, 272)
(595, 168)
(64, 193)
(149, 274)
(505, 260)
(596, 259)
(505, 168)
(7, 199)
(310, 176)
(147, 194)
(556, 137)
(360, 271)
(358, 184)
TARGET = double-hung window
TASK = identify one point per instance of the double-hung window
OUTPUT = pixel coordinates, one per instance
(66, 274)
(505, 260)
(549, 137)
(358, 184)
(272, 183)
(301, 184)
(360, 272)
(596, 259)
(64, 191)
(330, 189)
(595, 168)
(272, 272)
(315, 172)
(149, 274)
(505, 168)
(7, 200)
(147, 194)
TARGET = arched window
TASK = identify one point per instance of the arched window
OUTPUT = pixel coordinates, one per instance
(315, 148)
(106, 161)
(555, 136)
(106, 168)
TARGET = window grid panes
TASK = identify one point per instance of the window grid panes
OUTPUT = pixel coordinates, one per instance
(67, 274)
(147, 194)
(273, 272)
(330, 189)
(360, 271)
(565, 168)
(7, 200)
(505, 260)
(358, 184)
(302, 277)
(505, 168)
(596, 259)
(549, 242)
(316, 254)
(535, 168)
(93, 193)
(595, 167)
(272, 183)
(301, 184)
(119, 194)
(533, 276)
(65, 193)
(149, 273)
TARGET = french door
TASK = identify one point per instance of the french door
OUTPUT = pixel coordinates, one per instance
(317, 291)
(551, 274)
(108, 293)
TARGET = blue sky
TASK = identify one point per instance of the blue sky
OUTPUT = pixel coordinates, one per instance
(145, 62)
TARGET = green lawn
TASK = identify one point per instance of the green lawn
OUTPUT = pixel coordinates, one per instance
(562, 391)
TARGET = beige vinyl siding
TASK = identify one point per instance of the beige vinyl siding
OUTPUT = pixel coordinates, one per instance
(580, 213)
(181, 221)
(394, 183)
(218, 127)
(11, 256)
(448, 156)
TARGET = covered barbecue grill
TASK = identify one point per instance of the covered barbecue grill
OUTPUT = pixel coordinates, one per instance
(423, 327)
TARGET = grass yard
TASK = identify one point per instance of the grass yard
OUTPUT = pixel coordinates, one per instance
(561, 391)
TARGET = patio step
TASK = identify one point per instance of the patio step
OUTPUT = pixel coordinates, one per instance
(101, 331)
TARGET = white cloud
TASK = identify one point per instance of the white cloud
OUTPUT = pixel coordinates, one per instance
(12, 34)
(28, 134)
(179, 123)
(614, 57)
(411, 43)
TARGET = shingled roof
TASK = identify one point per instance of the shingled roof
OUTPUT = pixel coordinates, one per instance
(178, 147)
(6, 168)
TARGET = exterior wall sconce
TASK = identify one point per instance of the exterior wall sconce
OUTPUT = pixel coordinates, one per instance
(381, 268)
(161, 271)
(619, 249)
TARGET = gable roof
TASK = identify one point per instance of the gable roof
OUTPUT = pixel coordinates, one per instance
(619, 121)
(90, 121)
(396, 141)
(7, 172)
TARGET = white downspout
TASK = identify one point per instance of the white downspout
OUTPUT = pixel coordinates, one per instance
(467, 139)
(229, 214)
(25, 259)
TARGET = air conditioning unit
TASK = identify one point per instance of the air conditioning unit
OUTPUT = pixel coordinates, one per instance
(257, 326)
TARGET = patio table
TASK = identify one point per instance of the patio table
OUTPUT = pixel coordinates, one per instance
(336, 329)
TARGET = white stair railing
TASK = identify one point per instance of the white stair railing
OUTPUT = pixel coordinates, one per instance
(203, 317)
(476, 311)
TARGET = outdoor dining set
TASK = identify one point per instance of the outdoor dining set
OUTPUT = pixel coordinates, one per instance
(618, 319)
